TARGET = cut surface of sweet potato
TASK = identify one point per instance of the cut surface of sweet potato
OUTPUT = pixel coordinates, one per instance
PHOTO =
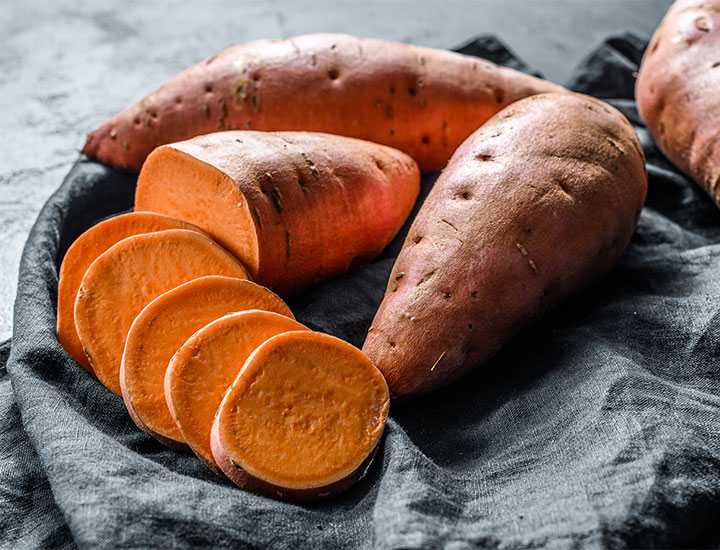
(162, 327)
(128, 276)
(302, 418)
(83, 252)
(295, 207)
(205, 366)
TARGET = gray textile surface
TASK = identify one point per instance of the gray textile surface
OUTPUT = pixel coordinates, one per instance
(596, 427)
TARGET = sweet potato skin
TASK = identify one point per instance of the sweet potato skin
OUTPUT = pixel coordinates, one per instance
(419, 100)
(677, 90)
(313, 204)
(538, 202)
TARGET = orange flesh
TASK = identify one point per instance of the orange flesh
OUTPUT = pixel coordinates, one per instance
(128, 276)
(192, 190)
(163, 326)
(83, 252)
(304, 412)
(205, 366)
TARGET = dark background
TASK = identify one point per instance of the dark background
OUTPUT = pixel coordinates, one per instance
(66, 66)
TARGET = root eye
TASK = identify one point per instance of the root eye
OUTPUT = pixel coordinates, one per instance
(333, 74)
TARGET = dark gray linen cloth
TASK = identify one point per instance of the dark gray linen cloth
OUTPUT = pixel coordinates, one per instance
(596, 427)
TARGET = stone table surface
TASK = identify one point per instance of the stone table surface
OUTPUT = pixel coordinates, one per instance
(67, 65)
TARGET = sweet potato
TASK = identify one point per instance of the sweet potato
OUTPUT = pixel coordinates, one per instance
(540, 201)
(205, 366)
(303, 418)
(128, 276)
(678, 90)
(83, 252)
(422, 101)
(295, 207)
(162, 327)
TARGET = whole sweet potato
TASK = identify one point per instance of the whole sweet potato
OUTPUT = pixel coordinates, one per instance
(419, 100)
(538, 202)
(296, 207)
(678, 90)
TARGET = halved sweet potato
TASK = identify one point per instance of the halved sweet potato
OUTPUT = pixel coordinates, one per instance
(205, 366)
(422, 101)
(296, 207)
(83, 252)
(303, 418)
(129, 275)
(162, 327)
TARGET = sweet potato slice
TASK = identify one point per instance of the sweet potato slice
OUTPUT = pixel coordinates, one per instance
(422, 101)
(303, 418)
(129, 275)
(162, 327)
(295, 207)
(83, 252)
(205, 366)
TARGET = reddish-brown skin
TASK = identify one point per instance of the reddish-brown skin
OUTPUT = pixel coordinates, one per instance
(678, 90)
(422, 101)
(540, 201)
(295, 207)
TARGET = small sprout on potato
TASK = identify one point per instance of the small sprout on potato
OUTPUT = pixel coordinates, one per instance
(436, 362)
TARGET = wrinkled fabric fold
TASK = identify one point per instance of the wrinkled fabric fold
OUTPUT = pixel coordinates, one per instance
(595, 427)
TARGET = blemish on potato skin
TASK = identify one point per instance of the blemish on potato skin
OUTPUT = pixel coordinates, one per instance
(525, 253)
(426, 278)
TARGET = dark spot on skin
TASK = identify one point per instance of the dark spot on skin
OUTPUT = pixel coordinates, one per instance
(426, 139)
(208, 88)
(392, 91)
(333, 74)
(716, 64)
(399, 275)
(392, 344)
(474, 294)
(470, 326)
(484, 158)
(276, 197)
(446, 295)
(178, 100)
(499, 96)
(388, 112)
(465, 195)
(379, 165)
(392, 132)
(412, 91)
(136, 121)
(528, 231)
(661, 128)
(256, 77)
(154, 114)
(417, 239)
